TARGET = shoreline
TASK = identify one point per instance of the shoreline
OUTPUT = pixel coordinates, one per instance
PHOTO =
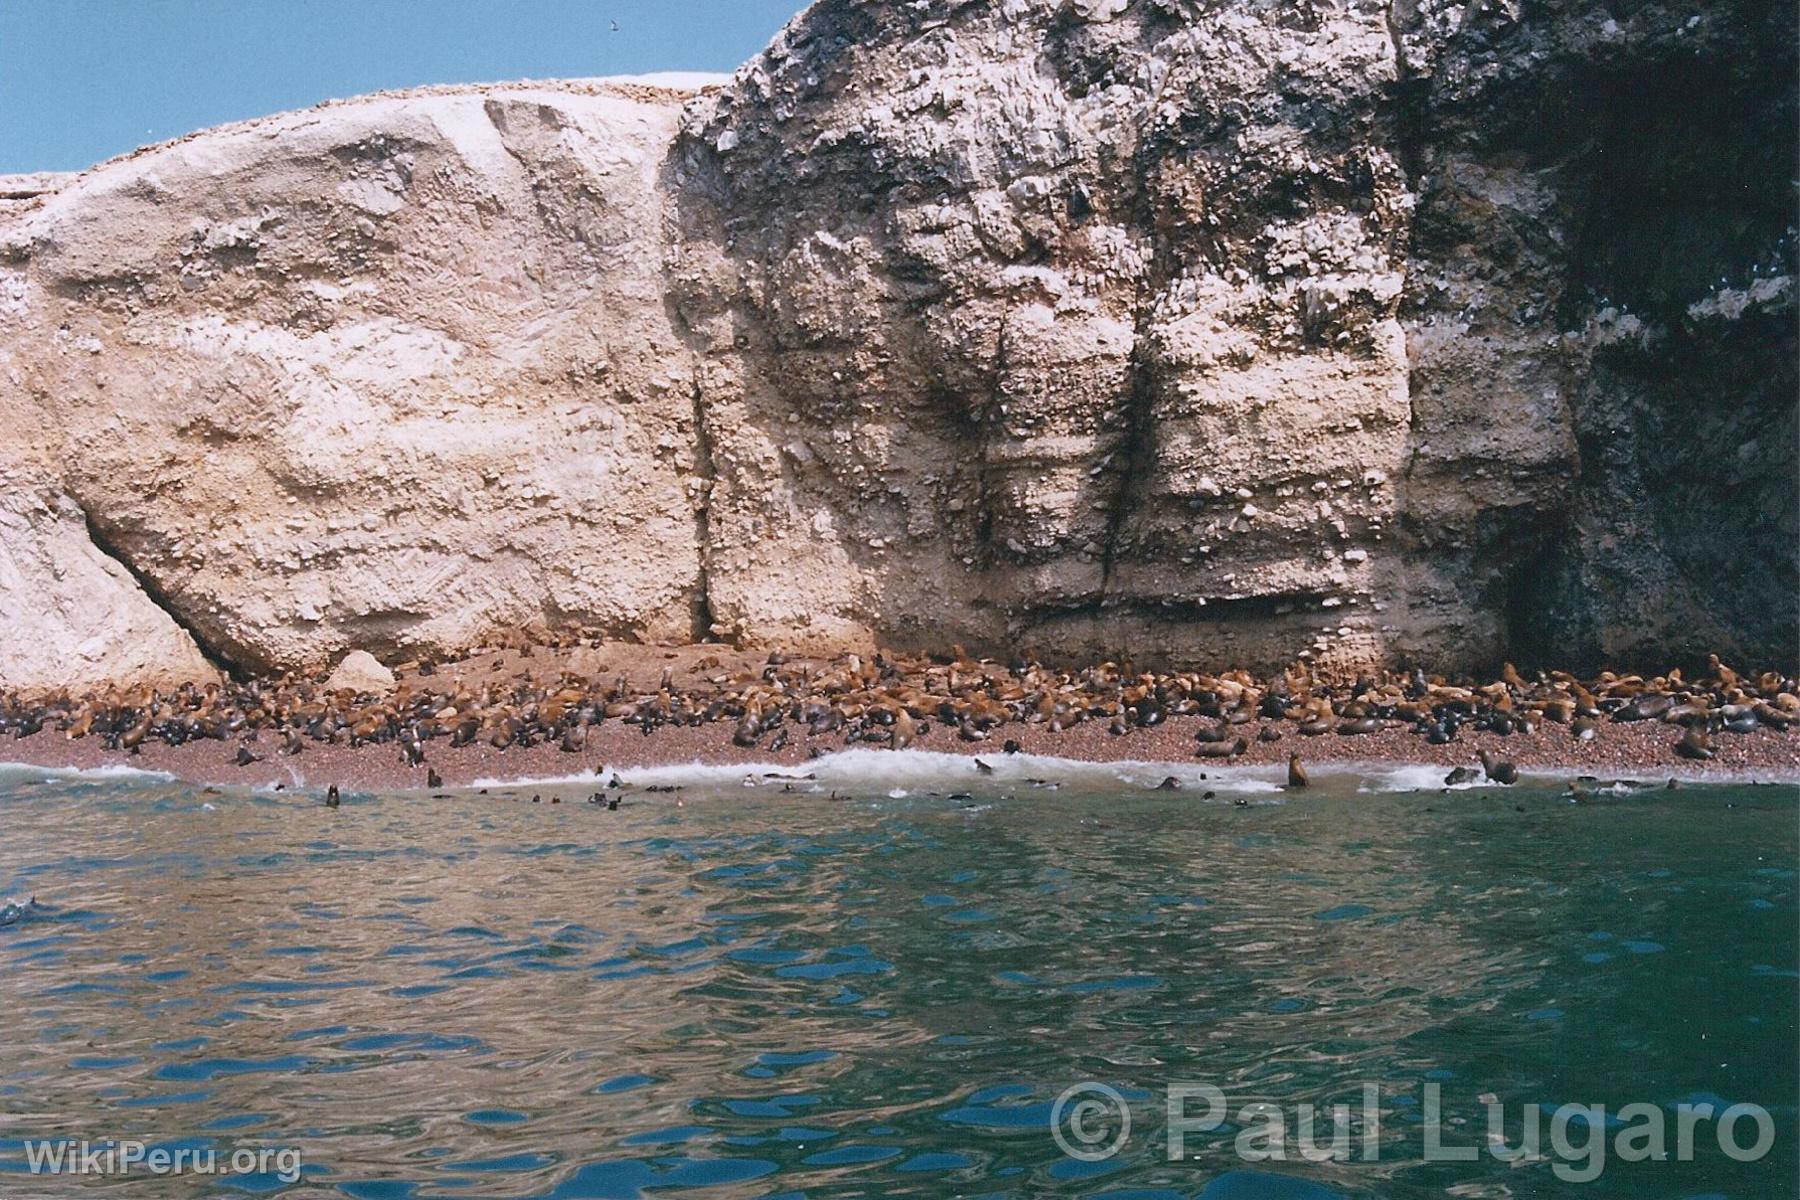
(538, 713)
(1637, 751)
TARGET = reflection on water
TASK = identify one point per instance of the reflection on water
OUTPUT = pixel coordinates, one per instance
(759, 994)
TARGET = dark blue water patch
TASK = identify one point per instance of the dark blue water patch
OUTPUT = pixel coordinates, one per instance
(1261, 1185)
(1070, 1169)
(765, 956)
(625, 1083)
(780, 1107)
(96, 1063)
(1343, 912)
(972, 916)
(495, 1116)
(803, 1134)
(991, 1116)
(378, 1189)
(1123, 983)
(628, 1179)
(936, 1160)
(852, 1154)
(202, 1070)
(673, 1135)
(507, 1164)
(83, 988)
(284, 986)
(833, 968)
(802, 1058)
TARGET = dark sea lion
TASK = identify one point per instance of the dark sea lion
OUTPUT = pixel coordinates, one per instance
(1499, 770)
(1695, 744)
(1296, 773)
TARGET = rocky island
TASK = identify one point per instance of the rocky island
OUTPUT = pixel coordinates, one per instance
(1333, 343)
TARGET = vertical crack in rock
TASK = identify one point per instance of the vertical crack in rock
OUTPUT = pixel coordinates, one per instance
(1411, 133)
(707, 472)
(155, 594)
(1137, 446)
(982, 429)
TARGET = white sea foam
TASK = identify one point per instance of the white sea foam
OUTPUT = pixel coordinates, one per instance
(11, 772)
(899, 773)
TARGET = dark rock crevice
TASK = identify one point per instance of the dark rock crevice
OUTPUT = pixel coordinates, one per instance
(104, 541)
(707, 475)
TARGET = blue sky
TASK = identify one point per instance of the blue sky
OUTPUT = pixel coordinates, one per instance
(82, 80)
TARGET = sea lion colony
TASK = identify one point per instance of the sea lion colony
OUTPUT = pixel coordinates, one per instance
(901, 701)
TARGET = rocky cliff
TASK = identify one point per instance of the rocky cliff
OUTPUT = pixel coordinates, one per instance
(1227, 331)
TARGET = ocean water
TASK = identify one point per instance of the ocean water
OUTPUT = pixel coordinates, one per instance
(740, 990)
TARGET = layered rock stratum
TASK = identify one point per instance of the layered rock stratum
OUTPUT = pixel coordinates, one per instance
(1228, 333)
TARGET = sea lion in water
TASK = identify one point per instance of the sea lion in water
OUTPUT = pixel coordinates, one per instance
(1296, 773)
(1461, 775)
(432, 779)
(1169, 784)
(331, 797)
(1499, 770)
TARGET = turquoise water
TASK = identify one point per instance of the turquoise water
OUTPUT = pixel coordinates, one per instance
(758, 993)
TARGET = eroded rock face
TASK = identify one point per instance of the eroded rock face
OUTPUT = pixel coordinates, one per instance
(389, 374)
(70, 615)
(1233, 331)
(1224, 332)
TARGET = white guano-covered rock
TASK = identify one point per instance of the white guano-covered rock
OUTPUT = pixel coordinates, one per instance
(361, 672)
